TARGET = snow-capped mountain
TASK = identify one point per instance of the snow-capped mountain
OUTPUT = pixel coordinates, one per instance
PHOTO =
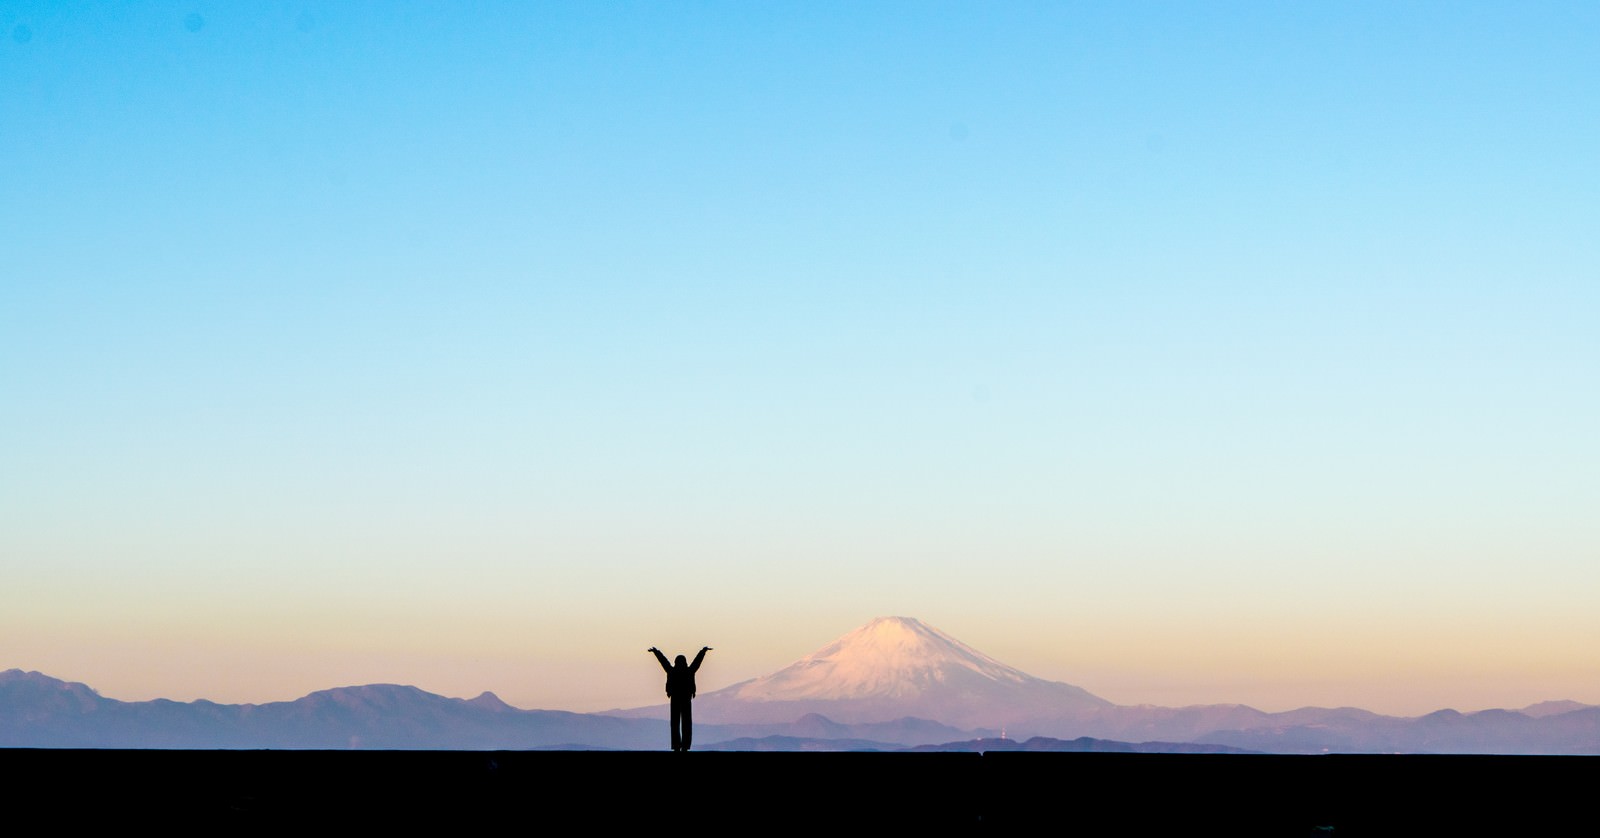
(891, 668)
(890, 657)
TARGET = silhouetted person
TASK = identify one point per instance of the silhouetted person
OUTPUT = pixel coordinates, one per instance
(680, 688)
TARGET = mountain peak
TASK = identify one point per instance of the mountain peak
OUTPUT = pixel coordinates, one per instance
(894, 667)
(889, 657)
(15, 684)
(1552, 708)
(489, 701)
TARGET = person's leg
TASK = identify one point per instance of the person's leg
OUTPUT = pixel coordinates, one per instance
(677, 719)
(688, 724)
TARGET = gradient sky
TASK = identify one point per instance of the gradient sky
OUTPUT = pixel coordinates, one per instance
(1191, 352)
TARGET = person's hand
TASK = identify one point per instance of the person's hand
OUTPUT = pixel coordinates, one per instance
(705, 648)
(652, 649)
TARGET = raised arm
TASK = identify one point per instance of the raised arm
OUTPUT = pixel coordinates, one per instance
(695, 667)
(662, 659)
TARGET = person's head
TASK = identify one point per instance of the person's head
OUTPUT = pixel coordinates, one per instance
(681, 662)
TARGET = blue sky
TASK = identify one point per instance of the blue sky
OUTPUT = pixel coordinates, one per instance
(1186, 352)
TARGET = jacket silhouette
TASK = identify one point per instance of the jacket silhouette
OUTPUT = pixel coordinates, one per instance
(680, 689)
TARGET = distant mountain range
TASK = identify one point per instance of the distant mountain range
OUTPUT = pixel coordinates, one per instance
(892, 684)
(42, 712)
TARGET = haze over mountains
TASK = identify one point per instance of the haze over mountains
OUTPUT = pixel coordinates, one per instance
(893, 683)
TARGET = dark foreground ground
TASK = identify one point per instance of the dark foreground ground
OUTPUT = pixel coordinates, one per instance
(754, 793)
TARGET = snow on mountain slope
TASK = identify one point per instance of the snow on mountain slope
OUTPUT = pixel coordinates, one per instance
(891, 668)
(890, 657)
